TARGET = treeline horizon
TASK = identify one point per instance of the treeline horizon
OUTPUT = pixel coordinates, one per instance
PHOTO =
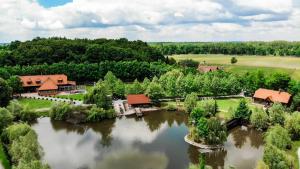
(276, 48)
(53, 50)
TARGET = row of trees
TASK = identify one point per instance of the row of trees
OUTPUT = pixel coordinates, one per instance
(54, 50)
(278, 48)
(125, 70)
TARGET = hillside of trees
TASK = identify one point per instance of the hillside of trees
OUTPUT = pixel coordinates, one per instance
(54, 50)
(276, 48)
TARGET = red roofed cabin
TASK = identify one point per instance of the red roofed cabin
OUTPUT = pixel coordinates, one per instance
(266, 96)
(205, 69)
(47, 85)
(138, 100)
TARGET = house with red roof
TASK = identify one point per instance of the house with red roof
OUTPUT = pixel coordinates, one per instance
(205, 68)
(267, 96)
(138, 100)
(47, 85)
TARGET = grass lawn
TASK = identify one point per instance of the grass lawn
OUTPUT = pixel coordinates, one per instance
(36, 104)
(71, 96)
(3, 158)
(290, 65)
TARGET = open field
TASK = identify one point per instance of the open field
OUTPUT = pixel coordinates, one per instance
(34, 104)
(290, 65)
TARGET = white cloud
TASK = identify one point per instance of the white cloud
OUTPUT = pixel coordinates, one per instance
(171, 20)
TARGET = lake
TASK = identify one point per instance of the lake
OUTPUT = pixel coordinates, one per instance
(154, 141)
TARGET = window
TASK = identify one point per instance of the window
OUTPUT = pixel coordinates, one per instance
(60, 81)
(38, 82)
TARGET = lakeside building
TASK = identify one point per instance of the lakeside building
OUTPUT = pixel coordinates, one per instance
(266, 96)
(138, 100)
(47, 85)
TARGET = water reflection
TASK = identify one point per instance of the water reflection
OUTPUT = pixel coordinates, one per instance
(152, 142)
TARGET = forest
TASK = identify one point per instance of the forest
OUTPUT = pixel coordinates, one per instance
(276, 48)
(54, 50)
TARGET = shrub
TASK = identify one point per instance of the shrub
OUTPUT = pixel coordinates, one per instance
(98, 114)
(196, 114)
(276, 158)
(20, 112)
(261, 165)
(278, 136)
(292, 124)
(233, 60)
(202, 128)
(217, 133)
(259, 119)
(35, 164)
(5, 118)
(276, 114)
(242, 111)
(171, 107)
(15, 131)
(210, 106)
(190, 102)
(25, 148)
(60, 111)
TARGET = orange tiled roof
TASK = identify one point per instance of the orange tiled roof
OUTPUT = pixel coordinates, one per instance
(206, 69)
(48, 85)
(39, 80)
(133, 99)
(272, 95)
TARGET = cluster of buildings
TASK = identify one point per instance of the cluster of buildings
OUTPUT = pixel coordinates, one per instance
(50, 85)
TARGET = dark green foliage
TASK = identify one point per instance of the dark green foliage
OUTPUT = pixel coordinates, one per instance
(233, 60)
(279, 137)
(134, 88)
(242, 111)
(97, 114)
(296, 102)
(6, 118)
(5, 93)
(22, 113)
(155, 91)
(54, 50)
(276, 158)
(85, 72)
(278, 81)
(279, 48)
(202, 128)
(188, 63)
(99, 95)
(210, 106)
(60, 111)
(196, 114)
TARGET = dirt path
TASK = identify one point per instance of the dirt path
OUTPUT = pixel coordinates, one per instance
(1, 167)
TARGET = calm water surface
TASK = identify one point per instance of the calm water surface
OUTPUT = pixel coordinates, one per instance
(152, 142)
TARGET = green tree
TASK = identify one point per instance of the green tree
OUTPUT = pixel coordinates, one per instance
(293, 125)
(261, 165)
(99, 95)
(190, 102)
(296, 102)
(210, 106)
(5, 93)
(6, 118)
(60, 111)
(16, 84)
(242, 111)
(259, 119)
(13, 132)
(196, 114)
(233, 60)
(155, 91)
(134, 88)
(202, 128)
(277, 114)
(278, 136)
(276, 158)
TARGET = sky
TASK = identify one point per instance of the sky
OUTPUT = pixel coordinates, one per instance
(151, 20)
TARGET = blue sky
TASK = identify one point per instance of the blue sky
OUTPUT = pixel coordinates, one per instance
(53, 3)
(172, 20)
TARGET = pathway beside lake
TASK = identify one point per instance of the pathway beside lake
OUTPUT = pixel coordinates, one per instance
(1, 166)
